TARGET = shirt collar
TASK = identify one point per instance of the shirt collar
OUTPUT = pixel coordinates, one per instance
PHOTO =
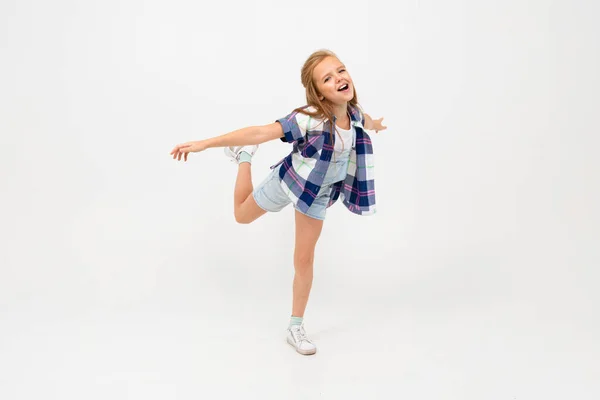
(354, 114)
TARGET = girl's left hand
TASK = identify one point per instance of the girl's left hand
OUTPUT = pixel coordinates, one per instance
(377, 126)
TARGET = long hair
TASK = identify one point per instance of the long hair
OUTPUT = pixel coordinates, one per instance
(323, 109)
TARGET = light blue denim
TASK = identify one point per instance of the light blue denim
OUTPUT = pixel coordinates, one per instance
(271, 197)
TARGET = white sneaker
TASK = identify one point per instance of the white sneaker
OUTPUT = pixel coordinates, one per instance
(233, 152)
(297, 338)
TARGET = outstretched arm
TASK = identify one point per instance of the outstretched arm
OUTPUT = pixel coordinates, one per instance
(374, 125)
(241, 137)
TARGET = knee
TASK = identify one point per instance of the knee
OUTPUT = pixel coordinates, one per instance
(241, 219)
(303, 262)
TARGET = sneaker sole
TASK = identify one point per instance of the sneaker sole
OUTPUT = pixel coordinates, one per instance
(303, 352)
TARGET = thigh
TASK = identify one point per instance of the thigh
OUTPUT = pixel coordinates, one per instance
(249, 211)
(308, 231)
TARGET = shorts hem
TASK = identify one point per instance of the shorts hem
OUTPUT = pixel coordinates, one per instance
(258, 204)
(308, 215)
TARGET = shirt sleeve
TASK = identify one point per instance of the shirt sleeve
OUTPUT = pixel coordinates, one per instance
(294, 127)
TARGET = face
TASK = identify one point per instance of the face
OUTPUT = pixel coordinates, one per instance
(333, 82)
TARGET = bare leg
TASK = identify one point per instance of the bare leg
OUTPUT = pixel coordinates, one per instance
(308, 231)
(245, 208)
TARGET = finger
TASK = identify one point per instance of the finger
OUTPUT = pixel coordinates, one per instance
(175, 150)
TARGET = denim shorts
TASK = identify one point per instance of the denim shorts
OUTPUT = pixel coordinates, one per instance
(272, 196)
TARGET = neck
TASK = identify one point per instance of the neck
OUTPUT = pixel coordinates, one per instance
(341, 111)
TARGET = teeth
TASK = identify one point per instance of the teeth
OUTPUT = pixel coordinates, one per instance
(343, 87)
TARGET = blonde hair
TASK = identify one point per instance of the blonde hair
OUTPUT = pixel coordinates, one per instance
(323, 108)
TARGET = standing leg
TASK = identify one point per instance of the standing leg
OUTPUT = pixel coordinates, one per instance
(308, 231)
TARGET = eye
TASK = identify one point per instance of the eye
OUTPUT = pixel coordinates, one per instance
(326, 79)
(342, 70)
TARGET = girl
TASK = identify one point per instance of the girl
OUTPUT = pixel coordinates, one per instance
(332, 155)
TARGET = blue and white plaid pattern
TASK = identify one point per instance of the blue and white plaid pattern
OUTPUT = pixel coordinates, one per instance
(302, 177)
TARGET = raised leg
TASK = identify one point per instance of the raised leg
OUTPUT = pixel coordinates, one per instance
(245, 208)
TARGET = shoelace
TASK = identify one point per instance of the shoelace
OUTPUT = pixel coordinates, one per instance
(300, 335)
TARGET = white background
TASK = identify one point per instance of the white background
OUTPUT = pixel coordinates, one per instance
(123, 274)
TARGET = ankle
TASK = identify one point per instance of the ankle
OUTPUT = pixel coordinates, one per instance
(244, 157)
(296, 320)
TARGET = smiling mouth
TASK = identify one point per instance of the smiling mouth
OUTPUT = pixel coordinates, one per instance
(343, 87)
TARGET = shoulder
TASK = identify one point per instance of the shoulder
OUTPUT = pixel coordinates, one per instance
(298, 123)
(306, 117)
(308, 121)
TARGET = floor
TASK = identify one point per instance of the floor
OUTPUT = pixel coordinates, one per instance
(228, 341)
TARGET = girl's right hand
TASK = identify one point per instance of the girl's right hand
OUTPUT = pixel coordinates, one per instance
(182, 150)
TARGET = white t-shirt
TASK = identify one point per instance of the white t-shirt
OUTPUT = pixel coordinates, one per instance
(347, 139)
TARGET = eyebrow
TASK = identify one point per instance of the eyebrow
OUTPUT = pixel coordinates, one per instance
(329, 73)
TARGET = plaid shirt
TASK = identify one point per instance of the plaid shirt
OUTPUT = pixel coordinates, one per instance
(311, 139)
